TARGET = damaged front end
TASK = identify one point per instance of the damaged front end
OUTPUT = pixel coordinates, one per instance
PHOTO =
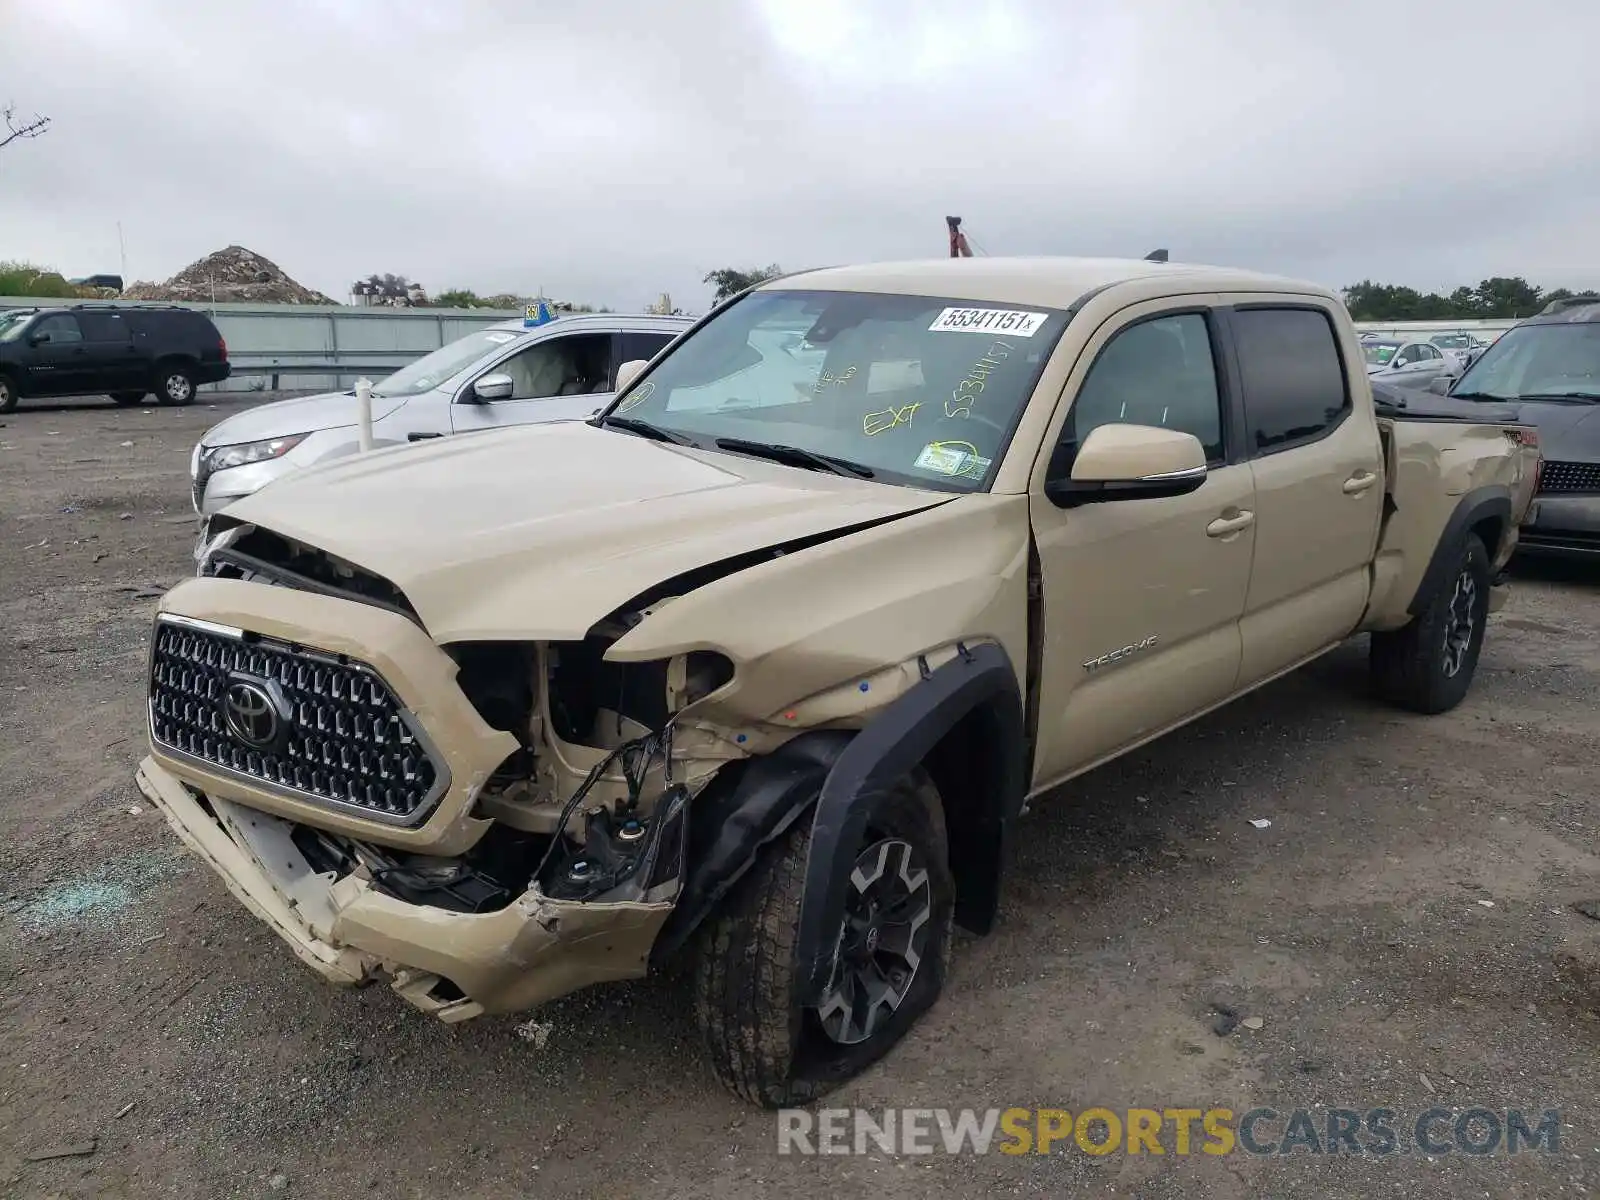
(492, 825)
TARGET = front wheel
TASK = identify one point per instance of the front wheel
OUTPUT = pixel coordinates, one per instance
(174, 386)
(1428, 665)
(893, 946)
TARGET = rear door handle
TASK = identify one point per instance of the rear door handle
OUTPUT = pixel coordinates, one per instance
(1223, 526)
(1359, 482)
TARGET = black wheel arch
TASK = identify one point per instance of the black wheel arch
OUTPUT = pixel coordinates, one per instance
(963, 724)
(1485, 511)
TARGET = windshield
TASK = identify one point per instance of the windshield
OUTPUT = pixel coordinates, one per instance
(1379, 353)
(1452, 341)
(916, 389)
(1561, 359)
(431, 370)
(12, 325)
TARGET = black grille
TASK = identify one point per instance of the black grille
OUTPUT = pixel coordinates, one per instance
(344, 737)
(1559, 477)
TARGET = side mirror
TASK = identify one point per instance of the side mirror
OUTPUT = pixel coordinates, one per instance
(628, 372)
(38, 339)
(493, 387)
(1440, 385)
(1131, 462)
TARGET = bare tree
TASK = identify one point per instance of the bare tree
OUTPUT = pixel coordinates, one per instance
(30, 128)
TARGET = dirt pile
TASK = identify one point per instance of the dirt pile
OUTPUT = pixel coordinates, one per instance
(231, 276)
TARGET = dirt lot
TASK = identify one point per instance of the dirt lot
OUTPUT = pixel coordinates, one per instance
(1394, 928)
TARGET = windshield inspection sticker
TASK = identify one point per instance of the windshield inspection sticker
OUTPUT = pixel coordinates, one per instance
(952, 458)
(988, 320)
(636, 397)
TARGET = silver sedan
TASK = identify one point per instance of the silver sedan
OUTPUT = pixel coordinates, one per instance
(1407, 364)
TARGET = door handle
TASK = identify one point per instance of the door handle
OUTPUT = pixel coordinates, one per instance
(421, 437)
(1359, 482)
(1223, 526)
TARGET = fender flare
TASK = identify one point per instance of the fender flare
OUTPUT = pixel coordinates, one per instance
(1491, 502)
(899, 739)
(746, 807)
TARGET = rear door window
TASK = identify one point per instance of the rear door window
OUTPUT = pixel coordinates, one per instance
(1292, 376)
(103, 327)
(643, 345)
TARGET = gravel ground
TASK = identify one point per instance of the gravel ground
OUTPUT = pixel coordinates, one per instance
(1393, 936)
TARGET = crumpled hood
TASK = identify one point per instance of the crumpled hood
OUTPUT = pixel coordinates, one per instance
(303, 414)
(540, 531)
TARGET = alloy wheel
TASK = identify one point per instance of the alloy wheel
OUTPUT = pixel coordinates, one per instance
(1460, 620)
(885, 934)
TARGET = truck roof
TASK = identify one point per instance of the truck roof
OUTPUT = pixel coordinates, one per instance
(1049, 281)
(1578, 310)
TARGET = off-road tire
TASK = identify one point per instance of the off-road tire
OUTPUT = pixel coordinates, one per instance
(8, 394)
(1410, 666)
(128, 399)
(174, 385)
(761, 1044)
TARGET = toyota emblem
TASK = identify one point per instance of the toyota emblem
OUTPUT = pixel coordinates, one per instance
(251, 714)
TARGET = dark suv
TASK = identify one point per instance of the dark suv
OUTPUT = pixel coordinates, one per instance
(124, 351)
(1545, 372)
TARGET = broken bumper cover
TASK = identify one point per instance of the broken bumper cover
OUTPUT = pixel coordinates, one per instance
(454, 965)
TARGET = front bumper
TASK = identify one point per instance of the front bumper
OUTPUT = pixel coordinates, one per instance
(1562, 525)
(453, 965)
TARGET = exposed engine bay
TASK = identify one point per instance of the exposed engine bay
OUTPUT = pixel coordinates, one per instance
(591, 806)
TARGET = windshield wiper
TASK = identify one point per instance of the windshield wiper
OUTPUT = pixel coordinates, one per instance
(1480, 396)
(797, 456)
(644, 429)
(1568, 397)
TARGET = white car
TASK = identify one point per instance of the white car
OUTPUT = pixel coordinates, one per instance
(499, 376)
(1413, 364)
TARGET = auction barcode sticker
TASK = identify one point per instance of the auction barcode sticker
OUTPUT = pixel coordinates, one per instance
(988, 320)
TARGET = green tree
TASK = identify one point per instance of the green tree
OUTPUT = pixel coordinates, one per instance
(730, 281)
(1500, 297)
(1509, 297)
(30, 279)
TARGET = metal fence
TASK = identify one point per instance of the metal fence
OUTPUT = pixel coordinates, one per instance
(322, 348)
(319, 347)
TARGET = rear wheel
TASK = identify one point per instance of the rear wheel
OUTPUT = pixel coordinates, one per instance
(893, 945)
(128, 399)
(174, 385)
(8, 394)
(1428, 666)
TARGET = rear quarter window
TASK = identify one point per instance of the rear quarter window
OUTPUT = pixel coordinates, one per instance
(173, 325)
(1293, 378)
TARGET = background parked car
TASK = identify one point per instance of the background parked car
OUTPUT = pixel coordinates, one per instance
(123, 351)
(1544, 372)
(1406, 364)
(503, 375)
(1466, 347)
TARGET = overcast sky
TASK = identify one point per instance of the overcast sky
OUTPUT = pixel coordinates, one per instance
(612, 150)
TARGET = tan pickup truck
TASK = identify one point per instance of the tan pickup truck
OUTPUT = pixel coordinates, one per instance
(761, 665)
